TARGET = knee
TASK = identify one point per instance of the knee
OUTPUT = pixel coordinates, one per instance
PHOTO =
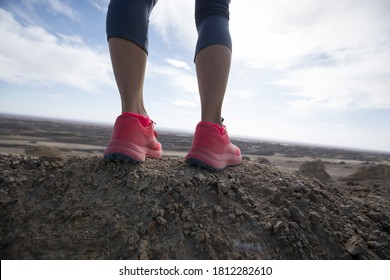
(212, 23)
(129, 20)
(207, 8)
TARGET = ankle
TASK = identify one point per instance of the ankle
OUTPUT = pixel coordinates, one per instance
(134, 107)
(135, 112)
(144, 120)
(214, 120)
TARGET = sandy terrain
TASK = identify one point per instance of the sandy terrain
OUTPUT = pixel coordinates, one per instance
(60, 200)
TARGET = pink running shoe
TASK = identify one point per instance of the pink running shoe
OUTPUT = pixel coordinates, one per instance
(133, 139)
(212, 149)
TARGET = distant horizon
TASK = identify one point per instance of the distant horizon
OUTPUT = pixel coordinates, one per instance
(190, 132)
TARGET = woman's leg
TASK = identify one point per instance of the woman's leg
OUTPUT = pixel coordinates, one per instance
(212, 68)
(212, 56)
(211, 147)
(129, 64)
(127, 34)
(133, 138)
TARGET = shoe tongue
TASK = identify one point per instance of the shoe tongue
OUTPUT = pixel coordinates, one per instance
(145, 121)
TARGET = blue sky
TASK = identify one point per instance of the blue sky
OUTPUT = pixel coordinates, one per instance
(303, 71)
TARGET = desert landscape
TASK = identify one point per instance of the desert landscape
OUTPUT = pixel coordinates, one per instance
(60, 200)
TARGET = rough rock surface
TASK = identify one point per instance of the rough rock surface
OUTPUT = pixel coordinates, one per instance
(84, 208)
(315, 169)
(44, 151)
(377, 171)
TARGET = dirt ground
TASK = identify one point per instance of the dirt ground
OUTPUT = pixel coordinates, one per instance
(81, 207)
(60, 200)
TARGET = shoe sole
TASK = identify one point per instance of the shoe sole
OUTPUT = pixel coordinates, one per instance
(207, 160)
(201, 164)
(116, 157)
(128, 152)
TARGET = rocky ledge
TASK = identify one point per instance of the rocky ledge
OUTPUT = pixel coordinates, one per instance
(77, 207)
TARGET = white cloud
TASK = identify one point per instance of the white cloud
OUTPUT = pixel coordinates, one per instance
(178, 63)
(175, 15)
(57, 97)
(31, 55)
(186, 103)
(175, 78)
(101, 5)
(242, 94)
(30, 11)
(329, 55)
(358, 84)
(279, 34)
(178, 78)
(62, 8)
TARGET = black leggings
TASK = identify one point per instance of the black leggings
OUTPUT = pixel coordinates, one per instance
(129, 20)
